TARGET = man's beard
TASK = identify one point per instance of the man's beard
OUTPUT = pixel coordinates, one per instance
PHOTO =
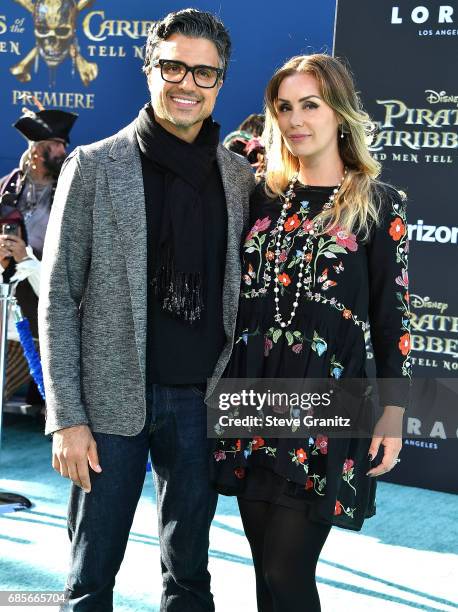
(53, 164)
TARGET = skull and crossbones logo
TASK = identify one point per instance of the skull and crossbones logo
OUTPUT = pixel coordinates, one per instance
(55, 36)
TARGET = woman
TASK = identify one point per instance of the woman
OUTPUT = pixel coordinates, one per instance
(326, 252)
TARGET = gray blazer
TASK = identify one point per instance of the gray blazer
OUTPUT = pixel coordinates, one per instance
(93, 310)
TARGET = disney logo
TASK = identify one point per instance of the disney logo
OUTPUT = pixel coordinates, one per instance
(435, 97)
(416, 301)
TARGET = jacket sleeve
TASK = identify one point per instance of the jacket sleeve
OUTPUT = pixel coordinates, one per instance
(65, 265)
(389, 312)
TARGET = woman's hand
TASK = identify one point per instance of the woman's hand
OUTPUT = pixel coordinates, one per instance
(388, 433)
(13, 246)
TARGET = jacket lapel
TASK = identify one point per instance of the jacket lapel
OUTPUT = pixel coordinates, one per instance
(125, 182)
(235, 223)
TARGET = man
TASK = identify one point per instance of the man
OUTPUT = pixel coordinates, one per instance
(138, 308)
(30, 188)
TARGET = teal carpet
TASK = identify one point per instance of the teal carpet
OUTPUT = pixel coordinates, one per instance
(405, 558)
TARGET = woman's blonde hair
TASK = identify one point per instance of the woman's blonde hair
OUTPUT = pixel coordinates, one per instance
(355, 206)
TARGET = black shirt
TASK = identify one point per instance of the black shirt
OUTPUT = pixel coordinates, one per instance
(177, 353)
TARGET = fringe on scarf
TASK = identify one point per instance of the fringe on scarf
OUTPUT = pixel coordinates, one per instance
(180, 293)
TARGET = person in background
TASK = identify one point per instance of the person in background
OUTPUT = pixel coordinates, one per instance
(20, 267)
(30, 187)
(325, 261)
(246, 140)
(29, 191)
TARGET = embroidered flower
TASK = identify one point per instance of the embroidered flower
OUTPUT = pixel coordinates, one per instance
(257, 442)
(260, 226)
(403, 280)
(319, 345)
(301, 455)
(308, 257)
(284, 279)
(270, 255)
(268, 344)
(336, 372)
(219, 455)
(338, 508)
(397, 229)
(309, 484)
(307, 226)
(291, 223)
(238, 444)
(404, 344)
(297, 348)
(239, 473)
(344, 238)
(282, 257)
(321, 443)
(336, 368)
(348, 464)
(346, 314)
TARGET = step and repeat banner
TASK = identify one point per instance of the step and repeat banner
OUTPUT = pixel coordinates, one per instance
(403, 56)
(85, 56)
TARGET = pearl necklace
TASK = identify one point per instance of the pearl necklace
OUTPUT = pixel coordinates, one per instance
(306, 250)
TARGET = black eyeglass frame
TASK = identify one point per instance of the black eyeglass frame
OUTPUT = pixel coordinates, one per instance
(191, 69)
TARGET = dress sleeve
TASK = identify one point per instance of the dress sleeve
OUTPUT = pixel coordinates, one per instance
(389, 312)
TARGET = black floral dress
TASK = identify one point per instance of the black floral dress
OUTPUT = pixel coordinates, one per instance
(358, 287)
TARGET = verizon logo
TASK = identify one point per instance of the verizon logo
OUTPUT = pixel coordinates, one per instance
(432, 233)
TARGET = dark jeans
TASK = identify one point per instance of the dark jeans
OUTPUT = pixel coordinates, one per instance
(99, 522)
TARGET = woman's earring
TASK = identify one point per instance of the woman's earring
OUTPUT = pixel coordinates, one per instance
(341, 130)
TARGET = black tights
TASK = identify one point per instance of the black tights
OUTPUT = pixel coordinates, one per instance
(285, 546)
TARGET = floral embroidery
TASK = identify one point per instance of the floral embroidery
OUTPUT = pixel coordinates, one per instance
(299, 457)
(245, 335)
(404, 344)
(318, 344)
(348, 472)
(344, 239)
(320, 445)
(257, 443)
(336, 368)
(398, 232)
(397, 229)
(261, 225)
(317, 483)
(295, 340)
(291, 223)
(284, 279)
(339, 508)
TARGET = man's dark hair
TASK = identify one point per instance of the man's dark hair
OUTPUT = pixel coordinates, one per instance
(193, 23)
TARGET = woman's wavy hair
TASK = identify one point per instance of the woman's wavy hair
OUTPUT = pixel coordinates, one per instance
(356, 205)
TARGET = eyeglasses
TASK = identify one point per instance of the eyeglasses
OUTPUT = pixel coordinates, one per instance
(174, 72)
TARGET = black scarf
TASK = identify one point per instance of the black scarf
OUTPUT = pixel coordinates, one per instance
(179, 277)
